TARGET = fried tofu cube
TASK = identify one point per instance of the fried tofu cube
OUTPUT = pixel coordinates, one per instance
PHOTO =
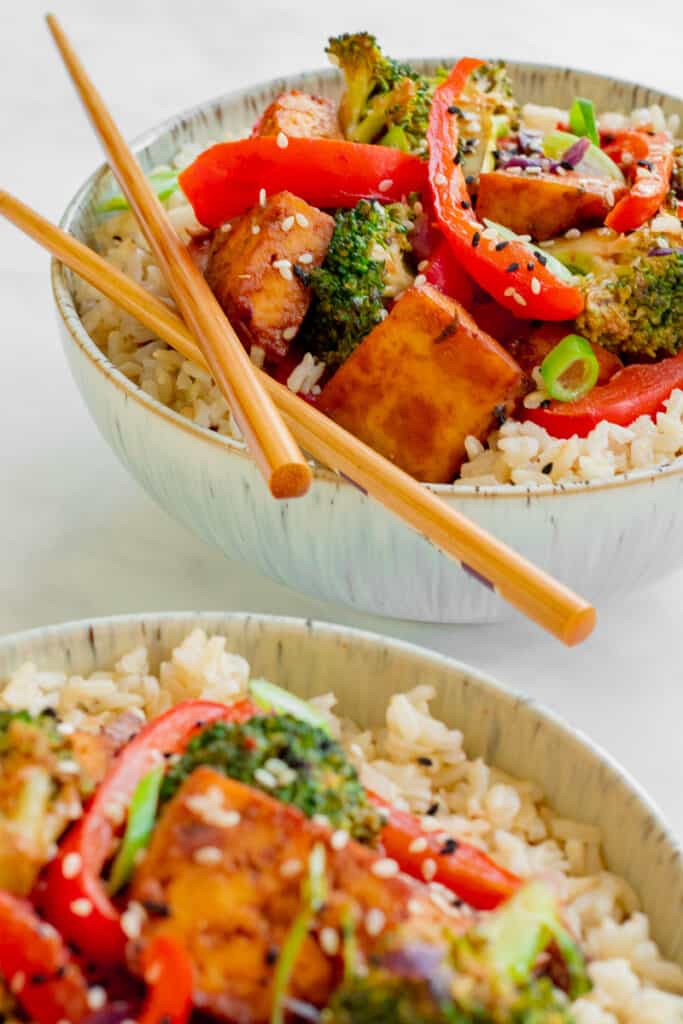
(300, 115)
(545, 205)
(252, 269)
(420, 383)
(224, 873)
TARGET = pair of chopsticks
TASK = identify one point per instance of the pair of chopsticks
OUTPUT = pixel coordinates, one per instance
(212, 343)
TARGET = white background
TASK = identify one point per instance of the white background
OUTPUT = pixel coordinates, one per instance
(78, 537)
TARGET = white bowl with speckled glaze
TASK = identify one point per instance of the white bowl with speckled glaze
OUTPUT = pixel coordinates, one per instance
(509, 731)
(337, 543)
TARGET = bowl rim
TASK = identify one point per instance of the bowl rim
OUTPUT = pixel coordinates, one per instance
(458, 491)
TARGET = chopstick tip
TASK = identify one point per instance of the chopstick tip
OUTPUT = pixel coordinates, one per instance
(580, 626)
(291, 480)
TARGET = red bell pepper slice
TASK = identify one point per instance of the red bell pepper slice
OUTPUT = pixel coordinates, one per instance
(464, 869)
(36, 966)
(75, 901)
(503, 273)
(637, 390)
(227, 179)
(445, 273)
(650, 166)
(168, 972)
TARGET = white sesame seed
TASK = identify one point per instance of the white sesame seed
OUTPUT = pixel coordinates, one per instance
(97, 997)
(418, 845)
(385, 868)
(422, 265)
(558, 170)
(66, 729)
(385, 184)
(226, 227)
(305, 258)
(289, 333)
(440, 179)
(284, 267)
(262, 197)
(52, 851)
(207, 855)
(329, 941)
(133, 919)
(535, 286)
(255, 229)
(321, 819)
(81, 907)
(282, 140)
(71, 865)
(287, 224)
(18, 981)
(115, 812)
(374, 921)
(428, 869)
(63, 1020)
(69, 767)
(514, 294)
(291, 868)
(383, 314)
(415, 907)
(572, 233)
(257, 354)
(302, 220)
(420, 280)
(265, 778)
(153, 973)
(339, 839)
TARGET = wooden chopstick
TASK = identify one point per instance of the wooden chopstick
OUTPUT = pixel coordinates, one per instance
(269, 441)
(531, 591)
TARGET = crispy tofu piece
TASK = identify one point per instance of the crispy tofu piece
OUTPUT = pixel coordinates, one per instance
(228, 885)
(545, 205)
(531, 351)
(420, 382)
(263, 297)
(300, 115)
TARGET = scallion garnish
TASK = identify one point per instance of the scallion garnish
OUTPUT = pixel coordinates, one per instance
(141, 816)
(164, 182)
(570, 370)
(270, 697)
(582, 120)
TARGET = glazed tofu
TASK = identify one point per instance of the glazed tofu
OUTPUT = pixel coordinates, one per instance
(300, 115)
(224, 874)
(420, 382)
(545, 205)
(252, 269)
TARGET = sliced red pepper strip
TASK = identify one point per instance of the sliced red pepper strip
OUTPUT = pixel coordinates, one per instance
(76, 901)
(464, 869)
(650, 165)
(637, 390)
(36, 966)
(168, 972)
(227, 179)
(504, 274)
(446, 274)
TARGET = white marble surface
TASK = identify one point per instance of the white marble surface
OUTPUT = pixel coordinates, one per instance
(78, 537)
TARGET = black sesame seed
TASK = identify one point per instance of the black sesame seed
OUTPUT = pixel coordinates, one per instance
(456, 159)
(454, 110)
(426, 761)
(501, 245)
(456, 902)
(37, 979)
(530, 265)
(547, 469)
(302, 274)
(500, 413)
(156, 908)
(117, 238)
(647, 164)
(466, 205)
(272, 954)
(200, 724)
(512, 268)
(61, 971)
(545, 404)
(74, 947)
(541, 258)
(470, 179)
(433, 809)
(566, 166)
(449, 847)
(476, 238)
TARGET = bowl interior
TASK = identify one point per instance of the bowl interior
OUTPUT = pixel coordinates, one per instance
(233, 115)
(363, 669)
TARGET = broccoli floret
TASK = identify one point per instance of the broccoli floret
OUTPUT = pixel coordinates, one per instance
(384, 101)
(365, 265)
(487, 110)
(291, 760)
(636, 310)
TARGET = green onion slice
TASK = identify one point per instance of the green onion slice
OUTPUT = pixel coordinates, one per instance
(141, 817)
(164, 182)
(570, 370)
(553, 265)
(582, 120)
(270, 697)
(595, 162)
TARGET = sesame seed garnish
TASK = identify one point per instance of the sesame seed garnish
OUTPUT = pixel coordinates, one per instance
(469, 180)
(262, 197)
(264, 777)
(69, 767)
(428, 869)
(465, 204)
(302, 220)
(374, 921)
(450, 845)
(530, 266)
(541, 258)
(339, 839)
(133, 919)
(418, 845)
(456, 159)
(454, 110)
(440, 179)
(321, 819)
(66, 729)
(115, 812)
(17, 983)
(433, 809)
(71, 865)
(476, 238)
(572, 233)
(501, 245)
(420, 280)
(291, 868)
(385, 184)
(255, 229)
(385, 868)
(305, 258)
(514, 294)
(512, 268)
(207, 855)
(329, 941)
(422, 265)
(81, 907)
(282, 140)
(153, 973)
(426, 762)
(287, 224)
(97, 997)
(289, 333)
(535, 286)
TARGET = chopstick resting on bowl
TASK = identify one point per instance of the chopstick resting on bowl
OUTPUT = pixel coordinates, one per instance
(534, 593)
(268, 439)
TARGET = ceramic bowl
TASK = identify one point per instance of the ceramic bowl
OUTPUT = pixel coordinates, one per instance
(509, 731)
(336, 543)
